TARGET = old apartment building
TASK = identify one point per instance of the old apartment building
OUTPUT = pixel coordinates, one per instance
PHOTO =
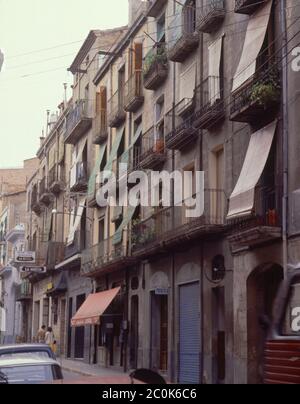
(12, 240)
(195, 85)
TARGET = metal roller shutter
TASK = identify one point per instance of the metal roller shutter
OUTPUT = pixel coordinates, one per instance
(189, 338)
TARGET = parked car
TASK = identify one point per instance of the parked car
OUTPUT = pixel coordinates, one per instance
(33, 350)
(29, 371)
(282, 353)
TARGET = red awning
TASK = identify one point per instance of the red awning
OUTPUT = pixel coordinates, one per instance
(94, 306)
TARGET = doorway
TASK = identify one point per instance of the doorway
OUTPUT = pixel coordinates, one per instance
(134, 332)
(79, 332)
(159, 332)
(262, 287)
(70, 315)
(218, 335)
(62, 326)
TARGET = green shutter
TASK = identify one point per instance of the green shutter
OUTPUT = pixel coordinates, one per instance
(126, 220)
(92, 180)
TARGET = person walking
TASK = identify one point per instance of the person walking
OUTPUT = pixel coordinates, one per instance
(41, 336)
(49, 338)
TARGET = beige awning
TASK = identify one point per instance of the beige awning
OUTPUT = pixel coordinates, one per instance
(214, 56)
(94, 307)
(255, 36)
(188, 82)
(242, 199)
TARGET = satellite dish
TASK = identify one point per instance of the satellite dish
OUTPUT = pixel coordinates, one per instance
(1, 59)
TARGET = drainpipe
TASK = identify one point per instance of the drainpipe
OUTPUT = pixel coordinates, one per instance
(202, 246)
(173, 326)
(285, 142)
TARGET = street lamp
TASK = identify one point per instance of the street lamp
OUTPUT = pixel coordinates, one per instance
(1, 59)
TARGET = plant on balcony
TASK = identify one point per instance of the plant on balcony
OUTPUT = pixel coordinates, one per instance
(158, 57)
(142, 233)
(267, 92)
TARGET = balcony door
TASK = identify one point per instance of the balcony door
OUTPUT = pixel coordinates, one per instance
(217, 186)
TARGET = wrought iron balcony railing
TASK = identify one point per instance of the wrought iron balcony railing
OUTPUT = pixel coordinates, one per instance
(210, 15)
(155, 7)
(170, 226)
(133, 91)
(100, 127)
(106, 256)
(24, 291)
(56, 179)
(81, 177)
(153, 152)
(156, 67)
(258, 98)
(79, 121)
(210, 108)
(117, 114)
(183, 36)
(247, 6)
(179, 125)
(265, 222)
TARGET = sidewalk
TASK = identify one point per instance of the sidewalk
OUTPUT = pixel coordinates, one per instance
(85, 369)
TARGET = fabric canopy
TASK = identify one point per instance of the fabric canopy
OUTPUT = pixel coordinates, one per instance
(188, 83)
(255, 36)
(114, 149)
(242, 198)
(94, 306)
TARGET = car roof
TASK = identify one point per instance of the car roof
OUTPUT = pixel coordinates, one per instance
(24, 346)
(29, 361)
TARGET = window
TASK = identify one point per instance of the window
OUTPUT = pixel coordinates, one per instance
(161, 29)
(101, 229)
(159, 118)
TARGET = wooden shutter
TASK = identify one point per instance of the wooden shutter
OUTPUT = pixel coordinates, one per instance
(103, 98)
(138, 56)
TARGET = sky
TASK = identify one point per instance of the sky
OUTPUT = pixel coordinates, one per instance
(27, 88)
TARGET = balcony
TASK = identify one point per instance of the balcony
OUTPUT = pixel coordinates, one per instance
(80, 181)
(210, 109)
(155, 7)
(184, 38)
(100, 127)
(183, 133)
(153, 150)
(263, 226)
(210, 16)
(55, 255)
(45, 196)
(117, 114)
(106, 257)
(169, 228)
(74, 248)
(24, 291)
(258, 99)
(156, 67)
(56, 180)
(79, 121)
(134, 97)
(36, 207)
(247, 6)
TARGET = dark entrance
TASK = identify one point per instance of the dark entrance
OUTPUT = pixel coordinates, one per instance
(79, 332)
(70, 315)
(262, 288)
(159, 332)
(134, 332)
